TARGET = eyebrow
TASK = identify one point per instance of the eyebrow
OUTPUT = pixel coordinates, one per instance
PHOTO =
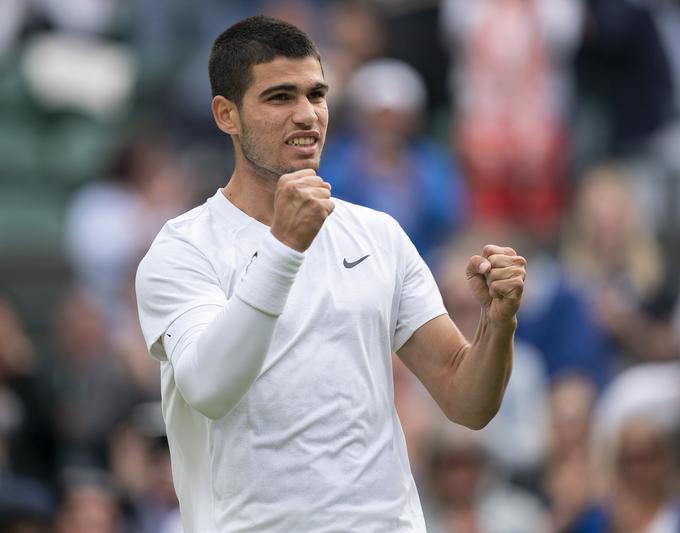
(290, 87)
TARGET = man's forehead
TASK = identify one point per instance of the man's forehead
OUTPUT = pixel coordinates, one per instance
(302, 71)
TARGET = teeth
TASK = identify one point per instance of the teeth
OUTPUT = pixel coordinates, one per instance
(302, 141)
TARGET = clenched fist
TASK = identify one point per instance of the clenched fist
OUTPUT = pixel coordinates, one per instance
(497, 280)
(301, 204)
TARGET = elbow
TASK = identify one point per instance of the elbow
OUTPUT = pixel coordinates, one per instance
(211, 410)
(478, 422)
(209, 405)
(475, 420)
(211, 402)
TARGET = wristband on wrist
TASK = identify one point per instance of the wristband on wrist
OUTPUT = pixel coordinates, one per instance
(266, 281)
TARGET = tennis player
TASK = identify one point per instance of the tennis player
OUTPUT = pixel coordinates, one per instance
(274, 310)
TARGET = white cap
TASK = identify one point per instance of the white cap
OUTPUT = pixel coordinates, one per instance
(387, 84)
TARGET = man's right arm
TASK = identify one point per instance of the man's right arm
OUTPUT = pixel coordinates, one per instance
(217, 351)
(216, 363)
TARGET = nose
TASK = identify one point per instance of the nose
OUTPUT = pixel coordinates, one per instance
(305, 113)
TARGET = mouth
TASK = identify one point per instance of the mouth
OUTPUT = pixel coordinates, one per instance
(304, 144)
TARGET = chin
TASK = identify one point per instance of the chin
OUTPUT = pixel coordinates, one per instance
(304, 164)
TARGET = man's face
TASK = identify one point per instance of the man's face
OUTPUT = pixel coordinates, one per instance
(284, 116)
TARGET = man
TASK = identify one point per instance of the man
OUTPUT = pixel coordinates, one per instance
(274, 311)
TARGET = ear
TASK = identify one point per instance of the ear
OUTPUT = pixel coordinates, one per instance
(226, 115)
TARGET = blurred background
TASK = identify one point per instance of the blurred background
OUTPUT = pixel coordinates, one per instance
(551, 125)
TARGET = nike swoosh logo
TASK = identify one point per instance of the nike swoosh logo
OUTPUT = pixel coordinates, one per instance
(347, 264)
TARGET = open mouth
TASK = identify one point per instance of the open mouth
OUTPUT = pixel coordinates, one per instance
(302, 141)
(304, 146)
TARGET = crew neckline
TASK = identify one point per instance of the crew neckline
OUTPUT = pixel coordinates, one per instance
(226, 208)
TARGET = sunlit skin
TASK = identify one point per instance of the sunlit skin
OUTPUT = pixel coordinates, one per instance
(286, 100)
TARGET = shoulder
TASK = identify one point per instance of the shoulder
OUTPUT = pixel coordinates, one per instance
(187, 223)
(181, 247)
(179, 232)
(364, 218)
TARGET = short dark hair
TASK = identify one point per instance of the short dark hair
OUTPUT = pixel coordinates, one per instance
(252, 41)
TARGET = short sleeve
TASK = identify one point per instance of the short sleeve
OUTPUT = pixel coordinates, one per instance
(419, 299)
(173, 278)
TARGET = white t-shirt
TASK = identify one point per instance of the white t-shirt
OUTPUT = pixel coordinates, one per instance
(315, 444)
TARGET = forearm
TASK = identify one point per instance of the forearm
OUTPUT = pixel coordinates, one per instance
(480, 372)
(217, 362)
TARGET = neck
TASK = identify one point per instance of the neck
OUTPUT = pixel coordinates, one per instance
(252, 192)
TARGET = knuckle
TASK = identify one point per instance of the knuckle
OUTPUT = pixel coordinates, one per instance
(498, 260)
(518, 287)
(285, 179)
(318, 207)
(288, 186)
(488, 250)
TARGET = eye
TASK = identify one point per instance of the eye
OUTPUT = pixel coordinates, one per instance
(317, 96)
(279, 97)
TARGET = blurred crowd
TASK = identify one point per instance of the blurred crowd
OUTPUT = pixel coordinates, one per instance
(551, 125)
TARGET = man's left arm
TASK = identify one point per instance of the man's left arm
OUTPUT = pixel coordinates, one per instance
(468, 379)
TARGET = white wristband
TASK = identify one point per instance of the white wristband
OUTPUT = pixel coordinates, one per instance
(267, 280)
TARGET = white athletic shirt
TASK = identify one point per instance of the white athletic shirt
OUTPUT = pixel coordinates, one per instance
(315, 444)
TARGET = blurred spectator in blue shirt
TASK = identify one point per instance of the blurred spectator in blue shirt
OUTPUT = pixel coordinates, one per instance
(611, 251)
(556, 319)
(383, 162)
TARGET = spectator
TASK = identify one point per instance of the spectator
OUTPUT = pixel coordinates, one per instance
(27, 444)
(556, 319)
(110, 222)
(611, 251)
(140, 464)
(27, 440)
(89, 388)
(633, 450)
(649, 390)
(510, 87)
(623, 36)
(89, 503)
(640, 492)
(407, 22)
(384, 163)
(568, 481)
(26, 506)
(635, 56)
(469, 496)
(356, 35)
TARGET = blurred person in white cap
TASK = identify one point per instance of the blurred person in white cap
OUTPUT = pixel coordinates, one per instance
(385, 161)
(637, 477)
(274, 310)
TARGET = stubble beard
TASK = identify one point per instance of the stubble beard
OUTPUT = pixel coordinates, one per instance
(259, 167)
(253, 149)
